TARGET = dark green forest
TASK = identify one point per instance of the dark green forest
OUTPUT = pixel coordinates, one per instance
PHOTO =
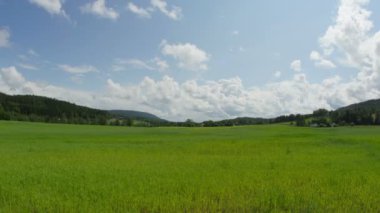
(42, 109)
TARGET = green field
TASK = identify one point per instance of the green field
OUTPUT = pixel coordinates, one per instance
(272, 168)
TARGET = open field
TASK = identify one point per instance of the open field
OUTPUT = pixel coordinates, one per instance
(66, 168)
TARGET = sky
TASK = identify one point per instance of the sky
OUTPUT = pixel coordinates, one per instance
(193, 59)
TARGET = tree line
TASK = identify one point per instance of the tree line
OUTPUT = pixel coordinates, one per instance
(42, 109)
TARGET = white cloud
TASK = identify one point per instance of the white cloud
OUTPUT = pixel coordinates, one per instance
(31, 56)
(54, 7)
(350, 33)
(78, 69)
(188, 55)
(12, 77)
(153, 64)
(352, 37)
(121, 64)
(320, 61)
(225, 98)
(99, 8)
(161, 64)
(4, 37)
(174, 13)
(27, 66)
(296, 65)
(141, 12)
(12, 82)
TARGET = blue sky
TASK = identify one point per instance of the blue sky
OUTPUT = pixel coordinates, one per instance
(197, 59)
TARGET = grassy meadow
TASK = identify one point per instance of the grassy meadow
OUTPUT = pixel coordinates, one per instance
(270, 168)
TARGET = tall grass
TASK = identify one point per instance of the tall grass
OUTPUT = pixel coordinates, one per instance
(67, 168)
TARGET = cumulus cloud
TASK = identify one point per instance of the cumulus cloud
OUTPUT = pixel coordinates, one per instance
(177, 101)
(350, 34)
(188, 55)
(13, 82)
(320, 61)
(296, 65)
(78, 69)
(54, 7)
(352, 37)
(141, 12)
(100, 9)
(225, 98)
(12, 77)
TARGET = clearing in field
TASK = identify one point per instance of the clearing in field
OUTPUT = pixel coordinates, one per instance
(50, 168)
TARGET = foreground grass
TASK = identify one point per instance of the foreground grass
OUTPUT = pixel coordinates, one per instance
(65, 168)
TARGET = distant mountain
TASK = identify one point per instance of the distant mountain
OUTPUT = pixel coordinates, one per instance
(135, 115)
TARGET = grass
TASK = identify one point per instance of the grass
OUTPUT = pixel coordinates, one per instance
(272, 168)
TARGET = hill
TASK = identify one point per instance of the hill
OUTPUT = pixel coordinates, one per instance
(371, 105)
(135, 115)
(364, 113)
(42, 109)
